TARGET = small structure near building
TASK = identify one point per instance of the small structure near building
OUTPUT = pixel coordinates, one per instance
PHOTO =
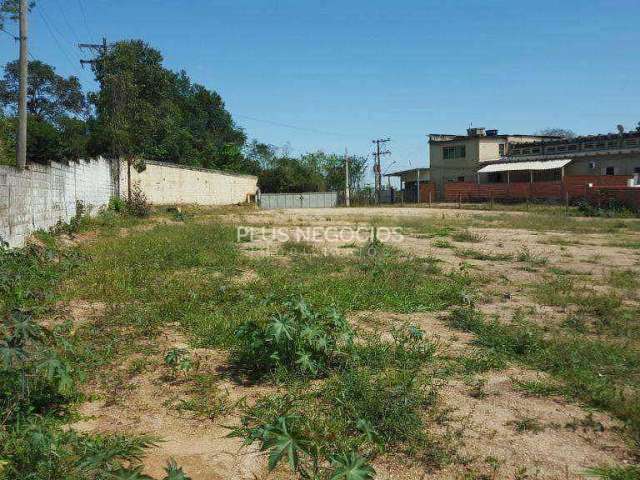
(415, 185)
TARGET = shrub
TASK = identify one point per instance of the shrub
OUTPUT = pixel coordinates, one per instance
(138, 205)
(117, 204)
(74, 224)
(34, 375)
(298, 340)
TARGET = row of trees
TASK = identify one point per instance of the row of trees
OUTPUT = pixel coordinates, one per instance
(144, 111)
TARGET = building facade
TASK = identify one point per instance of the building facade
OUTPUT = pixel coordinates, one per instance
(611, 154)
(457, 158)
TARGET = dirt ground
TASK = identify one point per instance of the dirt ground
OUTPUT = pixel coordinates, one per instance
(571, 438)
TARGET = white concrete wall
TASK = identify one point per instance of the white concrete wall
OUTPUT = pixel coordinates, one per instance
(41, 195)
(165, 183)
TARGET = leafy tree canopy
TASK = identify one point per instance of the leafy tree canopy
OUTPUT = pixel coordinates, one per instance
(50, 96)
(312, 172)
(145, 110)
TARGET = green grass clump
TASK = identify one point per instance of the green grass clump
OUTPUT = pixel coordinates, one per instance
(629, 472)
(478, 255)
(624, 279)
(442, 243)
(534, 260)
(527, 424)
(467, 236)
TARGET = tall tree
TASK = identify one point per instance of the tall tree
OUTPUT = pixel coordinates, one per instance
(131, 100)
(146, 111)
(50, 96)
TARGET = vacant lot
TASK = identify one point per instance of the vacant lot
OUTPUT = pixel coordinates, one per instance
(462, 345)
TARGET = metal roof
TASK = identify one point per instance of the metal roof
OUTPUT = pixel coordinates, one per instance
(534, 165)
(404, 172)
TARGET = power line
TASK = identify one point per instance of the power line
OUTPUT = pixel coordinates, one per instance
(12, 35)
(66, 21)
(17, 38)
(294, 127)
(55, 37)
(84, 17)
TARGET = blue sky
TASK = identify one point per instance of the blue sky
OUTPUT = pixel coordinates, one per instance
(345, 72)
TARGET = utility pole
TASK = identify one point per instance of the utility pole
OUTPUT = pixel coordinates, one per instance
(99, 48)
(102, 49)
(21, 150)
(376, 166)
(347, 193)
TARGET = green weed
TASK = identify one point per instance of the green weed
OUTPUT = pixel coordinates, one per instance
(467, 236)
(478, 255)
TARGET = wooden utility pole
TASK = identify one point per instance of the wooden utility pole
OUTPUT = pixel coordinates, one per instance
(376, 166)
(21, 150)
(347, 193)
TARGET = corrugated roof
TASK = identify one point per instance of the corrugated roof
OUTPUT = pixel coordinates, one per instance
(404, 172)
(515, 166)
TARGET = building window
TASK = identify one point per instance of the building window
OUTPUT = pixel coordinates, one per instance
(461, 179)
(551, 149)
(562, 149)
(636, 170)
(535, 150)
(610, 171)
(459, 151)
(501, 149)
(572, 148)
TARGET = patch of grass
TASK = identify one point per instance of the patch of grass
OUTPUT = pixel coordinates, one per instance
(558, 291)
(482, 361)
(293, 247)
(627, 244)
(526, 424)
(624, 279)
(538, 387)
(442, 243)
(627, 472)
(556, 240)
(467, 236)
(39, 374)
(600, 373)
(478, 255)
(534, 260)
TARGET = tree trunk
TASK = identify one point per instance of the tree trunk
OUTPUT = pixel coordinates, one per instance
(129, 179)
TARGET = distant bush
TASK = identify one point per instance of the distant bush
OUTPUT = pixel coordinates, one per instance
(610, 208)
